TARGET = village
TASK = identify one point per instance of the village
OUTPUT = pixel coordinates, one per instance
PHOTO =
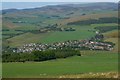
(72, 44)
(94, 43)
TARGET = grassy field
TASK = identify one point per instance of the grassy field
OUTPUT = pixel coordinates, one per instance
(90, 16)
(104, 24)
(112, 36)
(91, 61)
(25, 39)
(42, 20)
(50, 37)
(80, 33)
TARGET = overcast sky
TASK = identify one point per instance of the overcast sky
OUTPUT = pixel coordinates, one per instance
(21, 4)
(60, 0)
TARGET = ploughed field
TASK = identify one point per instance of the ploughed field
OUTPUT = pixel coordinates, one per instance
(90, 61)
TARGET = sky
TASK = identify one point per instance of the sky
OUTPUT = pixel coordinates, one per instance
(60, 0)
(21, 4)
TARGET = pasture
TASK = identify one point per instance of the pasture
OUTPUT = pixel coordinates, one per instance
(91, 16)
(112, 36)
(18, 28)
(91, 61)
(50, 37)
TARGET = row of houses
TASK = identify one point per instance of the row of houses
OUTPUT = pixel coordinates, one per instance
(73, 44)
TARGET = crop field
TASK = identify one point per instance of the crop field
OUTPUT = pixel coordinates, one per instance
(91, 61)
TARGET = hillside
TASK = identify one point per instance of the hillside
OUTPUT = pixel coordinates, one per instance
(17, 23)
(74, 40)
(34, 16)
(71, 67)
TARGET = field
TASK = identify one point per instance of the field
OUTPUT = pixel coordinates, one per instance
(25, 26)
(90, 16)
(37, 20)
(112, 36)
(91, 61)
(50, 37)
(80, 33)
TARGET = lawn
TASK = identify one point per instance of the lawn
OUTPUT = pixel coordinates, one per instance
(91, 61)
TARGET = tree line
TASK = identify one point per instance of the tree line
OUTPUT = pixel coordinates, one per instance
(39, 55)
(104, 29)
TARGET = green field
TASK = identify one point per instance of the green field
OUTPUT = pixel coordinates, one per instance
(104, 24)
(112, 36)
(42, 20)
(17, 30)
(50, 37)
(91, 61)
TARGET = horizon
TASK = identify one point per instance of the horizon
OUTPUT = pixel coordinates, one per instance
(28, 5)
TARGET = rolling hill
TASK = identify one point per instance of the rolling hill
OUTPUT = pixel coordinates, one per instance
(22, 21)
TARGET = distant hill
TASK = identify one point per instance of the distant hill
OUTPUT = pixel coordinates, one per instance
(52, 14)
(20, 25)
(68, 7)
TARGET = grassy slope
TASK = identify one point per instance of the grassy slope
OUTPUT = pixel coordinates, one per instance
(90, 16)
(104, 24)
(90, 62)
(112, 36)
(55, 36)
(11, 32)
(80, 33)
(43, 18)
(25, 39)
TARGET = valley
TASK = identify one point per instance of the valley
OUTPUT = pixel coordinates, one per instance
(61, 41)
